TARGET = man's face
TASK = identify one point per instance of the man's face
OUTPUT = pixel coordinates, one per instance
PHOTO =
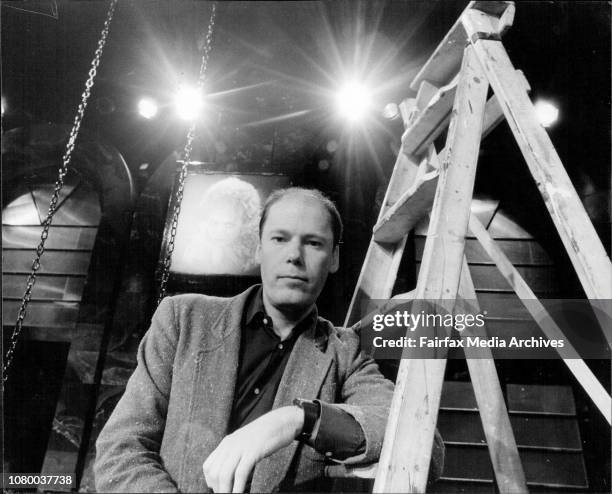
(296, 252)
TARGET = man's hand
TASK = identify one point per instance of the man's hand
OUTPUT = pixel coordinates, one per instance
(229, 466)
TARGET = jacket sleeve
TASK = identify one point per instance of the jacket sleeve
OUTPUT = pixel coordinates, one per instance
(366, 395)
(128, 446)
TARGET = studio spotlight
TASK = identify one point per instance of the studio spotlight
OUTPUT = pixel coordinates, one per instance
(188, 102)
(391, 111)
(353, 101)
(147, 108)
(3, 106)
(547, 113)
(332, 146)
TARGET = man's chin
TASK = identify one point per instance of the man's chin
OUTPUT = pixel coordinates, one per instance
(292, 300)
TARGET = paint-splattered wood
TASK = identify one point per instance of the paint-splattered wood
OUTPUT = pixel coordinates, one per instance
(406, 453)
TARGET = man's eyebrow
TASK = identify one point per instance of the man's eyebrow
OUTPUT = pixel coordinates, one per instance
(316, 236)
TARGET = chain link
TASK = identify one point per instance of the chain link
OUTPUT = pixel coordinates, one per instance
(63, 171)
(167, 261)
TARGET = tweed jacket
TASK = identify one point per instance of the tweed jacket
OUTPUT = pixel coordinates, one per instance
(177, 403)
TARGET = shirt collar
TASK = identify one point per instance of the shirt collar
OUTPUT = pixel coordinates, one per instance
(256, 306)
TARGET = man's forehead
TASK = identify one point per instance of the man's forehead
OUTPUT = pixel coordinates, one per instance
(308, 207)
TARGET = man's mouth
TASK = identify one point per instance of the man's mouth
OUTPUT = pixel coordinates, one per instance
(293, 277)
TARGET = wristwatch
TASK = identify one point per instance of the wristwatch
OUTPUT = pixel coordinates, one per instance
(312, 411)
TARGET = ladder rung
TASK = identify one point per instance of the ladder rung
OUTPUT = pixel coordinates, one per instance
(408, 210)
(432, 120)
(435, 116)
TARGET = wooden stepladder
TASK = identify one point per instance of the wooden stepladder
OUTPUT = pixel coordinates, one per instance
(452, 92)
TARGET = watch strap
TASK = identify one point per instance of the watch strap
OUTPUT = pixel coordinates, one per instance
(312, 411)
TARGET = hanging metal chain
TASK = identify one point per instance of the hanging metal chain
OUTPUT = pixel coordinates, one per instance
(165, 264)
(63, 170)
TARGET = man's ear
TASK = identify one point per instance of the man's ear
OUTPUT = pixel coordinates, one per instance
(335, 263)
(258, 253)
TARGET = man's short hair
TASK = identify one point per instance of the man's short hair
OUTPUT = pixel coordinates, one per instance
(334, 215)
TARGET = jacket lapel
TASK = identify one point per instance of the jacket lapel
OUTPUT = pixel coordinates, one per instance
(217, 361)
(303, 377)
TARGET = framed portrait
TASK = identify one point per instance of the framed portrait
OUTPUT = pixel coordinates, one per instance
(218, 225)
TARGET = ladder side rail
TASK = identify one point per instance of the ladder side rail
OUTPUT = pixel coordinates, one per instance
(577, 233)
(446, 58)
(433, 118)
(381, 262)
(406, 453)
(503, 451)
(377, 277)
(577, 367)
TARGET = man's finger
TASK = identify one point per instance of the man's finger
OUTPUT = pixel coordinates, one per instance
(213, 466)
(241, 475)
(225, 477)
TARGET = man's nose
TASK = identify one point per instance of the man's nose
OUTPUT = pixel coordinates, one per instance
(294, 252)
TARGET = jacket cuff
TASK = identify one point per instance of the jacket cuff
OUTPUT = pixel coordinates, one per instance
(337, 434)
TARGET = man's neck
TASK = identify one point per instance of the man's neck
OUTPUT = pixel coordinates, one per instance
(284, 321)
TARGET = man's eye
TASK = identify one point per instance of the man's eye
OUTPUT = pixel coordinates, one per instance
(315, 243)
(277, 239)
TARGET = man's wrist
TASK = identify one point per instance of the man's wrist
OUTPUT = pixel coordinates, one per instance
(297, 419)
(311, 412)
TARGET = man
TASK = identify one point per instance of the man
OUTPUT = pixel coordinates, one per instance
(253, 392)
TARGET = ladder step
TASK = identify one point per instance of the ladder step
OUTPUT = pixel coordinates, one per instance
(562, 469)
(506, 306)
(431, 121)
(520, 252)
(556, 433)
(546, 432)
(541, 279)
(458, 395)
(542, 399)
(462, 487)
(408, 210)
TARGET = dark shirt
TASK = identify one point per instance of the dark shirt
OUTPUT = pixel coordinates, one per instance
(263, 358)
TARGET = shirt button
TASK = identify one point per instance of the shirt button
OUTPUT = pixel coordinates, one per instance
(265, 320)
(256, 391)
(280, 346)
